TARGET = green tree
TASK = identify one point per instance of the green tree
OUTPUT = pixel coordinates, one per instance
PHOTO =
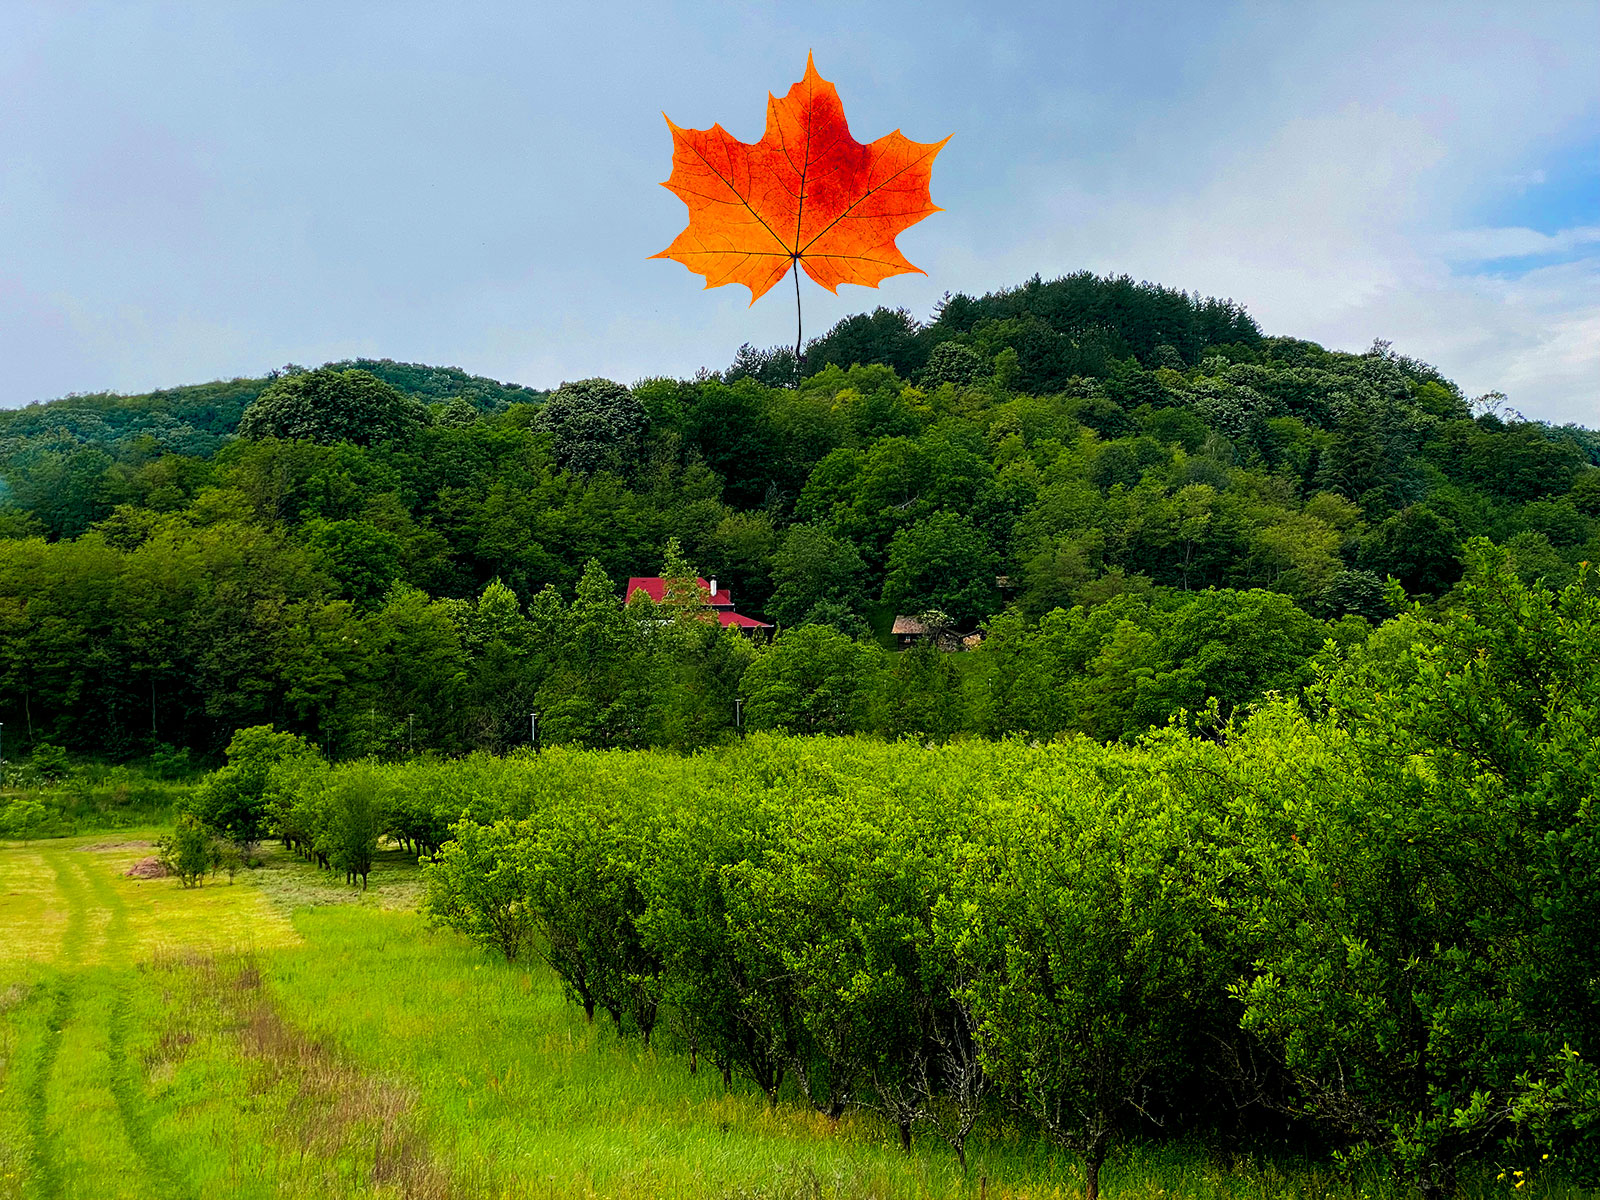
(1084, 936)
(355, 817)
(812, 679)
(945, 563)
(953, 362)
(1430, 938)
(595, 425)
(186, 852)
(604, 681)
(361, 558)
(920, 695)
(1231, 648)
(1418, 546)
(330, 406)
(234, 800)
(814, 568)
(480, 882)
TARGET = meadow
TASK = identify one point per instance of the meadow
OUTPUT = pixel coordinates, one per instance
(287, 1035)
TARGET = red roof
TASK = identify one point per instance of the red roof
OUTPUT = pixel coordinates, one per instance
(655, 587)
(725, 618)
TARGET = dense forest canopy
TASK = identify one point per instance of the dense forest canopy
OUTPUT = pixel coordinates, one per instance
(1133, 491)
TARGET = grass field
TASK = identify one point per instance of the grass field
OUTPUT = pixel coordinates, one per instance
(286, 1036)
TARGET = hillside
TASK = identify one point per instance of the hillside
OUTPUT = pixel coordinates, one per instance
(195, 419)
(1119, 481)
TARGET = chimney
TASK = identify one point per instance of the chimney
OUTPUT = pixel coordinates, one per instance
(713, 589)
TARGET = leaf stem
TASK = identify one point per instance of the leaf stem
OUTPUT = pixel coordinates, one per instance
(799, 359)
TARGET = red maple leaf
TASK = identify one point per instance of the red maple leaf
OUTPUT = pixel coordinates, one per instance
(807, 193)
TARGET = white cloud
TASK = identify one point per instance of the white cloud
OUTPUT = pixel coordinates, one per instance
(1338, 227)
(1484, 245)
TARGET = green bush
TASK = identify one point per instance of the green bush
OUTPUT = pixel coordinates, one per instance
(49, 763)
(188, 851)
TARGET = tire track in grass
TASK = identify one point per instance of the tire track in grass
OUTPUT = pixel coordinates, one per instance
(115, 934)
(43, 1150)
(87, 1007)
(123, 1079)
(127, 1090)
(77, 926)
(46, 1159)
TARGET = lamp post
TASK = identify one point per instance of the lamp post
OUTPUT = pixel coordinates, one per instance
(738, 715)
(533, 731)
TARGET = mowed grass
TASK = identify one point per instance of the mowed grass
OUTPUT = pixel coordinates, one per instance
(288, 1036)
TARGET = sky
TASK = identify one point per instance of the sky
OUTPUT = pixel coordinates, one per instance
(191, 192)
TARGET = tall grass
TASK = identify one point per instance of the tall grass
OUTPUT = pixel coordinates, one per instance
(93, 798)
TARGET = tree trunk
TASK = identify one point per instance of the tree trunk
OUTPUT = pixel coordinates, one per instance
(1091, 1173)
(905, 1136)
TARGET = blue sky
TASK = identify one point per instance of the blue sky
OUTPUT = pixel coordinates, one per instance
(198, 191)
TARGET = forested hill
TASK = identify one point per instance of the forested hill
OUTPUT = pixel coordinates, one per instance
(1140, 496)
(197, 419)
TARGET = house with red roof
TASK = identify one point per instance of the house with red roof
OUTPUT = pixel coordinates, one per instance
(718, 600)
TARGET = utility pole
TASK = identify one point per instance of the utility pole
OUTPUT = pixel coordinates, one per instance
(533, 731)
(411, 735)
(738, 715)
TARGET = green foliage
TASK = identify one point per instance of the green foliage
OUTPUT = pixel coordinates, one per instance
(479, 883)
(814, 680)
(952, 362)
(171, 762)
(594, 424)
(1370, 911)
(22, 817)
(328, 406)
(431, 384)
(392, 586)
(355, 814)
(813, 569)
(234, 802)
(48, 762)
(945, 563)
(1083, 935)
(188, 851)
(1424, 942)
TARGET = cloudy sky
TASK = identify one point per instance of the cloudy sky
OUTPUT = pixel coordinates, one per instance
(198, 191)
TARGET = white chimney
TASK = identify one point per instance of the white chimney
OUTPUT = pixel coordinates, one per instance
(713, 589)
